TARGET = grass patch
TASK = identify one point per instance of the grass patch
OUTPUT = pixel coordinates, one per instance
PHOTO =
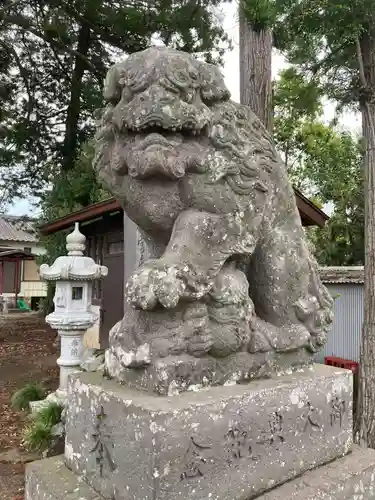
(49, 415)
(31, 392)
(37, 435)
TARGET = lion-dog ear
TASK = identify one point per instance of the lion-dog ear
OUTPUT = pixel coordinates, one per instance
(213, 86)
(112, 87)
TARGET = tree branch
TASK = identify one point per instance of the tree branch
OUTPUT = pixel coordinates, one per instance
(361, 66)
(364, 83)
(9, 5)
(105, 35)
(319, 65)
(74, 108)
(26, 25)
(62, 67)
(23, 74)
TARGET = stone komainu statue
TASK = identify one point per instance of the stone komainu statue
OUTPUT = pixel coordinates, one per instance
(235, 293)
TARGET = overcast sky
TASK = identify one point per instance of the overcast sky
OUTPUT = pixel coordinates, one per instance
(231, 73)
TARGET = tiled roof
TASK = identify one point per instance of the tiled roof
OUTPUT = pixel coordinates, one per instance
(343, 274)
(16, 228)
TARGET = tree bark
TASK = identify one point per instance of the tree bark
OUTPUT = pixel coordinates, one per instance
(74, 107)
(256, 70)
(365, 418)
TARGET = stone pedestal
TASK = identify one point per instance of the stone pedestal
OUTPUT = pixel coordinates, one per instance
(238, 442)
(349, 478)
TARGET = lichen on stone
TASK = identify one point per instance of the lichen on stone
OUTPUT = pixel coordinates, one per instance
(235, 290)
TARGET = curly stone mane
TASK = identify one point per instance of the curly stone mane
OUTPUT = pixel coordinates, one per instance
(248, 151)
(234, 289)
(241, 148)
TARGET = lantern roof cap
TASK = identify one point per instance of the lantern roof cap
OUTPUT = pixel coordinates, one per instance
(76, 241)
(75, 266)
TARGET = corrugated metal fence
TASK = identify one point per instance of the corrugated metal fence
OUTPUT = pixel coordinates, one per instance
(344, 336)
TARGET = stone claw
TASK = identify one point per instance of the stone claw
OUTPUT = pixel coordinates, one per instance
(155, 283)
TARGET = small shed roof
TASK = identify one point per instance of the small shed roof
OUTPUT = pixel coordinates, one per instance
(342, 274)
(310, 214)
(17, 228)
(15, 254)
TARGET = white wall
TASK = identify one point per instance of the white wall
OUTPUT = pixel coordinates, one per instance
(36, 248)
(29, 289)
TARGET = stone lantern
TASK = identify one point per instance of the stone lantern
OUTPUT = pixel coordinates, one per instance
(74, 275)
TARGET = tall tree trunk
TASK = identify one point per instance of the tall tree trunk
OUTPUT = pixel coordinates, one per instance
(256, 70)
(365, 418)
(74, 107)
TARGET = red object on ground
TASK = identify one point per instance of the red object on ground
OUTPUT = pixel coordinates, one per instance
(347, 364)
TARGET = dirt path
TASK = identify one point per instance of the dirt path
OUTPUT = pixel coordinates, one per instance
(27, 354)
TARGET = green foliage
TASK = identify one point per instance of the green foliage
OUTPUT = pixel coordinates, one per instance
(31, 392)
(261, 14)
(297, 101)
(296, 96)
(38, 435)
(332, 164)
(53, 58)
(72, 191)
(49, 415)
(321, 38)
(324, 163)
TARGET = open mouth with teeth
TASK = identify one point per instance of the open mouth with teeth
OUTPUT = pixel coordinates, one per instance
(156, 125)
(159, 129)
(164, 135)
(161, 142)
(154, 134)
(156, 128)
(154, 150)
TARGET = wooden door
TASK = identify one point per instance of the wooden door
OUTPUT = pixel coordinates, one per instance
(112, 285)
